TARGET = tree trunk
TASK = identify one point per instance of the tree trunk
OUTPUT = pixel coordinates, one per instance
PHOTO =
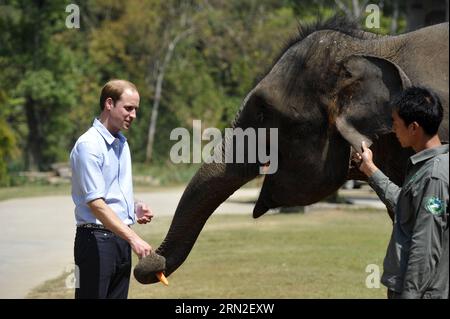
(395, 13)
(353, 11)
(34, 140)
(344, 8)
(154, 116)
(356, 9)
(158, 92)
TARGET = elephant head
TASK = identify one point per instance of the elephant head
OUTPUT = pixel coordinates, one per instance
(329, 90)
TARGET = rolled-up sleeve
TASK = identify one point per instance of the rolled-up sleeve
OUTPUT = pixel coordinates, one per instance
(87, 178)
(386, 190)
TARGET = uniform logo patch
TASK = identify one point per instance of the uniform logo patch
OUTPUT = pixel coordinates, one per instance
(434, 206)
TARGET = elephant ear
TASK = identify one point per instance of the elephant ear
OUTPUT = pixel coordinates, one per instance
(364, 87)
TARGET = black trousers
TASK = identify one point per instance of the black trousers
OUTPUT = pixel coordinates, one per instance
(104, 264)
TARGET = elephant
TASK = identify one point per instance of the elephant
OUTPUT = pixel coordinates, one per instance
(328, 91)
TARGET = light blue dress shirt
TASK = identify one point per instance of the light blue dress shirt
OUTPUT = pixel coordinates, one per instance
(101, 168)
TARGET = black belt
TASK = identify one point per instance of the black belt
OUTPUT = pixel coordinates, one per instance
(92, 226)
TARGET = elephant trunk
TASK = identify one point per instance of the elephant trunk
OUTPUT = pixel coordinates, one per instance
(210, 187)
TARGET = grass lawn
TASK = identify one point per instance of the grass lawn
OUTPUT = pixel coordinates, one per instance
(323, 254)
(37, 190)
(33, 190)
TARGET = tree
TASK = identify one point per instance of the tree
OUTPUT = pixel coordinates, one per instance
(177, 27)
(8, 142)
(190, 59)
(43, 73)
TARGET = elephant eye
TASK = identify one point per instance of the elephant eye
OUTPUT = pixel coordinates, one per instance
(260, 117)
(259, 109)
(263, 109)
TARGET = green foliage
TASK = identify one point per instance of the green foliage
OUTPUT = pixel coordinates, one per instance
(51, 75)
(45, 76)
(8, 141)
(7, 150)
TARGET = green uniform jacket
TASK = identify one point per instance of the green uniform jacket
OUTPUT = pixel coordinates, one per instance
(417, 259)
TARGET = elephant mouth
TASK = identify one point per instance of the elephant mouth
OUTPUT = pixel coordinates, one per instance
(150, 269)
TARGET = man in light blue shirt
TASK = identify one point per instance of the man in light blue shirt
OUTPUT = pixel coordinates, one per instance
(102, 191)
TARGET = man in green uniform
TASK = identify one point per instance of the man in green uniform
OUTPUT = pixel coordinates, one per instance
(417, 259)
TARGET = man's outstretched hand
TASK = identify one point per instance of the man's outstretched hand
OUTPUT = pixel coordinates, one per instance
(143, 213)
(365, 161)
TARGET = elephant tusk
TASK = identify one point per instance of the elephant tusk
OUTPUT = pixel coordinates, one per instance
(162, 278)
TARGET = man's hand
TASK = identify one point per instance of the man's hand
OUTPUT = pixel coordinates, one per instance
(365, 160)
(143, 213)
(140, 247)
(110, 220)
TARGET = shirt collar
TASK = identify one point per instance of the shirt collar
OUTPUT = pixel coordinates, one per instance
(428, 153)
(109, 138)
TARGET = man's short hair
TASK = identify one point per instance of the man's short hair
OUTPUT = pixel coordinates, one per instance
(113, 89)
(418, 104)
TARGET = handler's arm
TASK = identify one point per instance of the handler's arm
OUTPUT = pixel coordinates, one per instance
(428, 240)
(110, 220)
(386, 190)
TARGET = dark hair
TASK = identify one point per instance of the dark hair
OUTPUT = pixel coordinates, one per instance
(113, 89)
(418, 104)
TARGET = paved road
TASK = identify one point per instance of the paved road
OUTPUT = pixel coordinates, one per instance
(33, 251)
